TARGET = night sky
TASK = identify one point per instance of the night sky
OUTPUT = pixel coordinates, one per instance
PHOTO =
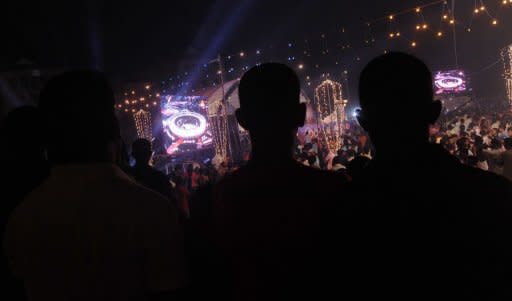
(150, 40)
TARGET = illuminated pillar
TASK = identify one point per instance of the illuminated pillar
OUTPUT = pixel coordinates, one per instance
(143, 124)
(330, 106)
(506, 55)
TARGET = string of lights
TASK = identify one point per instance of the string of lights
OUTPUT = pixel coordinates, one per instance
(506, 55)
(329, 104)
(219, 125)
(134, 101)
(427, 23)
(142, 120)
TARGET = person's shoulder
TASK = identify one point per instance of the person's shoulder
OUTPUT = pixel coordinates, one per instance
(327, 176)
(132, 192)
(234, 178)
(483, 184)
(139, 192)
(485, 177)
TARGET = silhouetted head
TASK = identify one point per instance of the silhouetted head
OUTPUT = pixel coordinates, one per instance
(141, 151)
(508, 143)
(496, 143)
(357, 165)
(472, 161)
(270, 107)
(21, 135)
(396, 96)
(78, 114)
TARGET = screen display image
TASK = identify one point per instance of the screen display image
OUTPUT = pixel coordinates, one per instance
(450, 82)
(185, 124)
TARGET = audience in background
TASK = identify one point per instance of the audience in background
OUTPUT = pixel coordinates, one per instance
(146, 175)
(409, 214)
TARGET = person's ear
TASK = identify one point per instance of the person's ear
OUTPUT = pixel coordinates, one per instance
(301, 114)
(240, 117)
(435, 111)
(361, 119)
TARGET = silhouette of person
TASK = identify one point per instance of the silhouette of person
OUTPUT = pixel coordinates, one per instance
(425, 226)
(273, 217)
(357, 165)
(147, 175)
(507, 158)
(88, 232)
(24, 167)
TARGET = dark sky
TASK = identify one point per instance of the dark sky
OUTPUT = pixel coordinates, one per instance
(136, 40)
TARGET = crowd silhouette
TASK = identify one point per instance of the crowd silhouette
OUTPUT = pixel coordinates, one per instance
(412, 223)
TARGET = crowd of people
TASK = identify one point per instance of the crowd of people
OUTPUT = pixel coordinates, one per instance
(404, 209)
(478, 137)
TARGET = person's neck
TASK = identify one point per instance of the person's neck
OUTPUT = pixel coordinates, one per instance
(270, 150)
(404, 152)
(271, 156)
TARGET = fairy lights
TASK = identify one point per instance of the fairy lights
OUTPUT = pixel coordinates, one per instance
(331, 111)
(416, 26)
(142, 120)
(219, 125)
(506, 56)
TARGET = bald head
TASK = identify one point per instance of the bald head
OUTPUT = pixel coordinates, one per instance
(270, 98)
(77, 108)
(396, 97)
(270, 107)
